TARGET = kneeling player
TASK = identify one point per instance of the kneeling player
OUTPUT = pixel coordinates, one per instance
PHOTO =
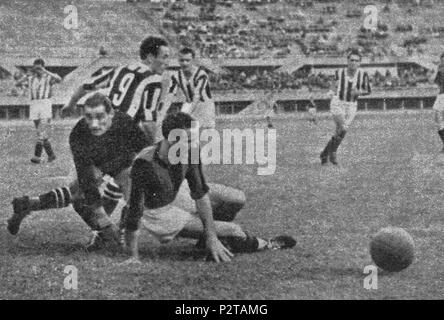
(103, 143)
(154, 199)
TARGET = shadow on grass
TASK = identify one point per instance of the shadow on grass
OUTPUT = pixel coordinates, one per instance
(27, 248)
(173, 252)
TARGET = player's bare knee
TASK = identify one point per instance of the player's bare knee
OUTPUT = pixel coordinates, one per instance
(240, 198)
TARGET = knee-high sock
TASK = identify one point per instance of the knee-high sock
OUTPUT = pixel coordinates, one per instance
(241, 245)
(123, 215)
(109, 205)
(38, 148)
(441, 134)
(56, 198)
(337, 139)
(48, 148)
(94, 220)
(327, 148)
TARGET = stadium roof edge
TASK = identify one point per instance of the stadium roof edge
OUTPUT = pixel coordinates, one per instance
(282, 96)
(212, 64)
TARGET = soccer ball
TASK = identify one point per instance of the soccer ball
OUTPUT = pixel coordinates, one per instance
(392, 249)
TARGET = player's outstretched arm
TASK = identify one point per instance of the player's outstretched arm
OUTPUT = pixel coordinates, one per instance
(55, 78)
(72, 103)
(217, 250)
(132, 220)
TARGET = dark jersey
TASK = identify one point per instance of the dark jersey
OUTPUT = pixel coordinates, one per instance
(111, 152)
(155, 183)
(439, 80)
(134, 90)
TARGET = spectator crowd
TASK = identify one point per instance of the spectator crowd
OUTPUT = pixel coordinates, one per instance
(238, 81)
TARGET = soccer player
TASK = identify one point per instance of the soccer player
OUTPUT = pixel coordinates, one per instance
(193, 81)
(272, 110)
(103, 142)
(40, 83)
(352, 82)
(156, 180)
(135, 89)
(438, 106)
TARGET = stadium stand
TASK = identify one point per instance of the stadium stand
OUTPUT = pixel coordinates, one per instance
(251, 45)
(37, 27)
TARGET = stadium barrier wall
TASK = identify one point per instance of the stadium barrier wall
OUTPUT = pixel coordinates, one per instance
(21, 111)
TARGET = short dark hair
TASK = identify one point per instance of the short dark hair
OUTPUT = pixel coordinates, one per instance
(187, 50)
(39, 61)
(178, 120)
(354, 52)
(99, 99)
(441, 56)
(151, 45)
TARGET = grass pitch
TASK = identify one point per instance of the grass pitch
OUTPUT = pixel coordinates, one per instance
(390, 173)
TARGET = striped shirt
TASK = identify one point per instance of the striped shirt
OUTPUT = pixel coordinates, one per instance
(40, 87)
(134, 90)
(195, 89)
(345, 84)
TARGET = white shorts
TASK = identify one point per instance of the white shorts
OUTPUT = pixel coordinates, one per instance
(40, 109)
(344, 109)
(166, 223)
(439, 103)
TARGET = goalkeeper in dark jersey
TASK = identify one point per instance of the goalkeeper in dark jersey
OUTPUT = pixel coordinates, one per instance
(103, 144)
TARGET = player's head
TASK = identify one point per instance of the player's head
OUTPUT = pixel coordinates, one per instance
(183, 123)
(441, 57)
(98, 113)
(38, 65)
(154, 52)
(354, 59)
(186, 57)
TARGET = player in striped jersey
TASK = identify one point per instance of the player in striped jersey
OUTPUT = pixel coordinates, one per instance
(136, 88)
(40, 83)
(352, 82)
(193, 81)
